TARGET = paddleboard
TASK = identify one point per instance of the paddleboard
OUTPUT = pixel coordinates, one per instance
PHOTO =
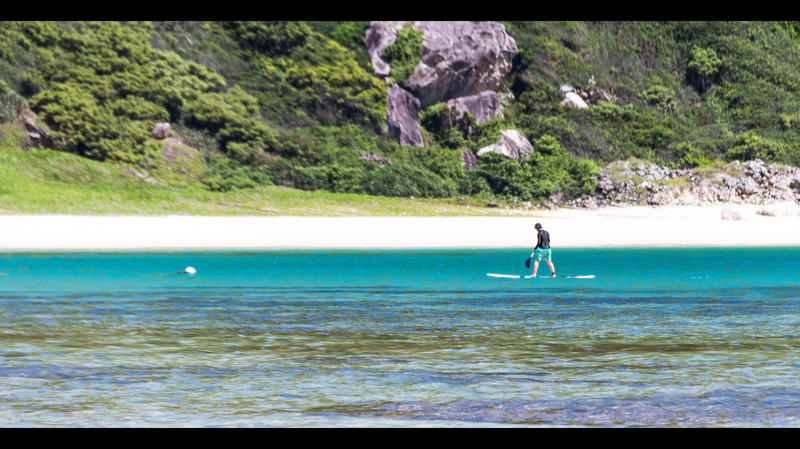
(516, 276)
(582, 276)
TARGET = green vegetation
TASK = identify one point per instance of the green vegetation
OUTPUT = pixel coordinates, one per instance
(259, 108)
(44, 181)
(404, 54)
(703, 84)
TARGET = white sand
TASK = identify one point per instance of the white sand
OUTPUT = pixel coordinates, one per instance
(606, 227)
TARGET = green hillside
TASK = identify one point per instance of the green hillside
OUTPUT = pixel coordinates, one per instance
(262, 113)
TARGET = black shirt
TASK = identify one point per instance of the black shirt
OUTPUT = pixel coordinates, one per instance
(543, 239)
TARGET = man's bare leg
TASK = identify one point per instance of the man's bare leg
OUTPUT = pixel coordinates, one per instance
(535, 269)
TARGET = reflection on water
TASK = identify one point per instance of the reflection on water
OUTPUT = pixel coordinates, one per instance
(400, 338)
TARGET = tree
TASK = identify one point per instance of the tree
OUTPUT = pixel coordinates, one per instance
(704, 64)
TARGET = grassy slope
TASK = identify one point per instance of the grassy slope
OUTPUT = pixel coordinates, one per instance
(42, 181)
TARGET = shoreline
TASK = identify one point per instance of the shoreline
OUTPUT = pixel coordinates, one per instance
(632, 226)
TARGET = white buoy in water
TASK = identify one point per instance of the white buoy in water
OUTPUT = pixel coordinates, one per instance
(190, 270)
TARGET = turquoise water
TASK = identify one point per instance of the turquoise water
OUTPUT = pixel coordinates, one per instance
(661, 337)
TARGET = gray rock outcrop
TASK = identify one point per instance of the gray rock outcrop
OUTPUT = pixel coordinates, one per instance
(578, 98)
(403, 117)
(38, 136)
(380, 160)
(463, 63)
(379, 36)
(161, 131)
(468, 160)
(753, 182)
(460, 59)
(483, 106)
(511, 144)
(794, 183)
(574, 100)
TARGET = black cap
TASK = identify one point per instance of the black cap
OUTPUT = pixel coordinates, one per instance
(538, 226)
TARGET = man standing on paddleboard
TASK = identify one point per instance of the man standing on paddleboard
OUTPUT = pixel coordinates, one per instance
(542, 251)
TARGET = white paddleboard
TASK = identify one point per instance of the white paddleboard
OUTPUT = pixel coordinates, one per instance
(516, 276)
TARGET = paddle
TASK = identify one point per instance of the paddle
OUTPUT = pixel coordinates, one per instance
(528, 262)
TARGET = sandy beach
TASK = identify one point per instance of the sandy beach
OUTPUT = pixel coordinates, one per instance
(605, 227)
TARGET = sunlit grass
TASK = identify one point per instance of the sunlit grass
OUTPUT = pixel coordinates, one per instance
(42, 181)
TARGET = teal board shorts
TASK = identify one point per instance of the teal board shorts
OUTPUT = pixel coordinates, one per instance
(542, 254)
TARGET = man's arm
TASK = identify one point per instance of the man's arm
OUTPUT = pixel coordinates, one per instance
(538, 242)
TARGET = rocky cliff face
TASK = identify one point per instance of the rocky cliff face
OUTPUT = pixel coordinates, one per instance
(462, 63)
(460, 59)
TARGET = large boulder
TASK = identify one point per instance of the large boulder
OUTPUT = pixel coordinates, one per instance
(511, 144)
(482, 106)
(574, 100)
(779, 209)
(730, 214)
(161, 131)
(746, 186)
(460, 59)
(403, 117)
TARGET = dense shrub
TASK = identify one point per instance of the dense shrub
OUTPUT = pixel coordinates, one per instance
(101, 87)
(405, 180)
(474, 183)
(348, 34)
(224, 174)
(345, 179)
(751, 146)
(442, 130)
(703, 66)
(404, 54)
(691, 156)
(549, 169)
(11, 104)
(509, 179)
(319, 82)
(340, 88)
(312, 178)
(270, 38)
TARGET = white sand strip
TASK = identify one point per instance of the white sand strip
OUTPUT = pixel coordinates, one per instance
(608, 227)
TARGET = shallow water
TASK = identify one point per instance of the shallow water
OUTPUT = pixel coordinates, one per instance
(687, 337)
